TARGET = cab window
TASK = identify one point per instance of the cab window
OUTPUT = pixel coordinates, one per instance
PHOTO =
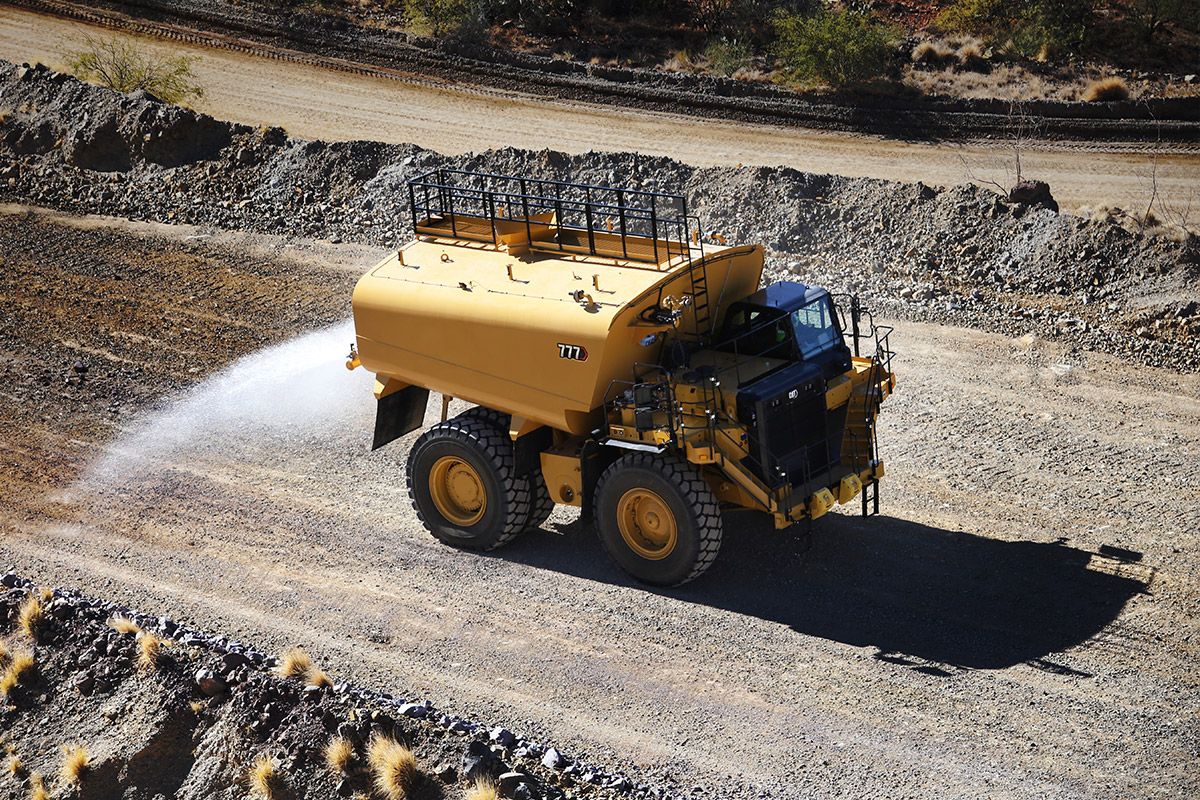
(815, 328)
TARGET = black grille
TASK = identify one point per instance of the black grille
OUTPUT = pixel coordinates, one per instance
(794, 438)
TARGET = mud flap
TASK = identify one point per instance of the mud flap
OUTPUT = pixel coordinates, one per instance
(399, 413)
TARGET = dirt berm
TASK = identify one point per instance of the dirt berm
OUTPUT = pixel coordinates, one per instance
(337, 43)
(961, 255)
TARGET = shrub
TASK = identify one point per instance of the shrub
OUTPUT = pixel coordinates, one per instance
(30, 617)
(295, 663)
(439, 16)
(726, 56)
(265, 780)
(482, 790)
(149, 650)
(20, 667)
(394, 767)
(971, 59)
(338, 754)
(1030, 28)
(76, 763)
(122, 66)
(837, 47)
(933, 54)
(737, 18)
(37, 787)
(1106, 90)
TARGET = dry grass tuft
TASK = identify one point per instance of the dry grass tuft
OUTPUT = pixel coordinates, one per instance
(20, 667)
(15, 766)
(149, 649)
(970, 58)
(196, 706)
(46, 593)
(122, 625)
(31, 616)
(37, 787)
(394, 767)
(934, 54)
(295, 663)
(482, 790)
(1106, 90)
(76, 763)
(338, 754)
(5, 653)
(318, 677)
(265, 780)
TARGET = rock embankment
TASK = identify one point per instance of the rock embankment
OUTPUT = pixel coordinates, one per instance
(961, 255)
(160, 709)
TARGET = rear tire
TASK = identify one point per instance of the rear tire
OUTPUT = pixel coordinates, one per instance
(541, 505)
(463, 486)
(658, 519)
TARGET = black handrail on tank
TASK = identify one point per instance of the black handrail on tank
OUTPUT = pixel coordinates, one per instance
(657, 217)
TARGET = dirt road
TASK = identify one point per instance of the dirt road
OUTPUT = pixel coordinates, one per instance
(1021, 623)
(319, 103)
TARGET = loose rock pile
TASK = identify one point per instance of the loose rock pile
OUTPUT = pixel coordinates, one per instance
(191, 724)
(961, 255)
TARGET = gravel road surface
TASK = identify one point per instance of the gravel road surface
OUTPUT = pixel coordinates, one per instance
(317, 103)
(1020, 623)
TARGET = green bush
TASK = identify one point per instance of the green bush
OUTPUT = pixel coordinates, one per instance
(1028, 28)
(438, 16)
(725, 56)
(836, 47)
(124, 66)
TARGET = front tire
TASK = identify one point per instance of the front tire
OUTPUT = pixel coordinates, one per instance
(658, 519)
(463, 485)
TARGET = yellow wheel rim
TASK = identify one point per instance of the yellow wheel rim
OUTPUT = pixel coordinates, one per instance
(457, 491)
(647, 524)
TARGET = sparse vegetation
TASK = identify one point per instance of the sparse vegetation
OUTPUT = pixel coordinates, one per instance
(265, 780)
(394, 767)
(318, 677)
(127, 67)
(1106, 90)
(838, 47)
(15, 766)
(933, 54)
(439, 17)
(30, 617)
(37, 787)
(970, 57)
(123, 625)
(5, 653)
(149, 650)
(338, 754)
(482, 790)
(727, 56)
(295, 663)
(76, 763)
(20, 667)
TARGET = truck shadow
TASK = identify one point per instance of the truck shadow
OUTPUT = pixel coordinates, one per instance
(925, 597)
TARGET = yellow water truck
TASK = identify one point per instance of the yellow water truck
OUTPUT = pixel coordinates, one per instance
(618, 361)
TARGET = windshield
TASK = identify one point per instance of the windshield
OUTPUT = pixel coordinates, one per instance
(814, 328)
